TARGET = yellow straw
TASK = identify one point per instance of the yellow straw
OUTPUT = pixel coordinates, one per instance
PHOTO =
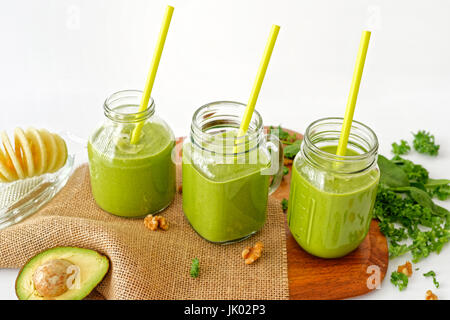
(245, 122)
(354, 89)
(152, 72)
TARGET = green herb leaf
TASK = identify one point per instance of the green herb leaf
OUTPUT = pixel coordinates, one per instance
(423, 199)
(291, 151)
(432, 274)
(284, 204)
(195, 268)
(402, 148)
(391, 174)
(397, 250)
(292, 144)
(438, 188)
(399, 280)
(437, 182)
(415, 172)
(283, 135)
(404, 210)
(424, 143)
(285, 170)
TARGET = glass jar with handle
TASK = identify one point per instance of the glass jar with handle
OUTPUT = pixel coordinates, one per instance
(226, 179)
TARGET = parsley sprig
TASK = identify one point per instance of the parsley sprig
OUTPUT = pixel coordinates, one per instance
(402, 148)
(432, 274)
(399, 280)
(292, 144)
(195, 268)
(283, 135)
(424, 143)
(284, 204)
(291, 151)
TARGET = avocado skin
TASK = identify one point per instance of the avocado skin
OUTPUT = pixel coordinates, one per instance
(75, 255)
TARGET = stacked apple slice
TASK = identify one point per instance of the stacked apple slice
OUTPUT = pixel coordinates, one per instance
(35, 152)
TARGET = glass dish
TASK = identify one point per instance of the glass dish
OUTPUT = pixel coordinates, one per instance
(20, 199)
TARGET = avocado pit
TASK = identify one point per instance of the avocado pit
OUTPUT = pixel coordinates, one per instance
(50, 278)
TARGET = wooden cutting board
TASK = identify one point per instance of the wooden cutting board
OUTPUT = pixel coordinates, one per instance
(315, 278)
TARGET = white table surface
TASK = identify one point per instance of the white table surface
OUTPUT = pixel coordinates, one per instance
(60, 59)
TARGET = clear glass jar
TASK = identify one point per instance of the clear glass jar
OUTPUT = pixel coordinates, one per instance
(226, 179)
(332, 197)
(131, 180)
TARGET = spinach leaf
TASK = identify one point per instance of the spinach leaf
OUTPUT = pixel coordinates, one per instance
(438, 188)
(423, 199)
(391, 174)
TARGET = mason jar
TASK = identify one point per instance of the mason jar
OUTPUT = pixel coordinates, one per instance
(332, 197)
(226, 178)
(131, 179)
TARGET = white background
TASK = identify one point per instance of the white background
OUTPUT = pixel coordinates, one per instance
(60, 59)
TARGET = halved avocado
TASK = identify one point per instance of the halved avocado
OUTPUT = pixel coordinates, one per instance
(85, 270)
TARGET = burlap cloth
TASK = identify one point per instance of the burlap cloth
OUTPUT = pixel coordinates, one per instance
(151, 264)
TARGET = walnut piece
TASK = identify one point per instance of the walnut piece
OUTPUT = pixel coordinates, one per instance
(180, 189)
(406, 269)
(430, 296)
(251, 254)
(154, 222)
(288, 162)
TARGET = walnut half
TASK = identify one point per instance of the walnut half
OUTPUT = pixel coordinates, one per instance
(406, 269)
(430, 296)
(154, 222)
(251, 254)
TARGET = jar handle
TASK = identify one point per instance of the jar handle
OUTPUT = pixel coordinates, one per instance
(276, 162)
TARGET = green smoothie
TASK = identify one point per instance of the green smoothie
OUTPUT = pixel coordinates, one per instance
(132, 180)
(329, 215)
(229, 202)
